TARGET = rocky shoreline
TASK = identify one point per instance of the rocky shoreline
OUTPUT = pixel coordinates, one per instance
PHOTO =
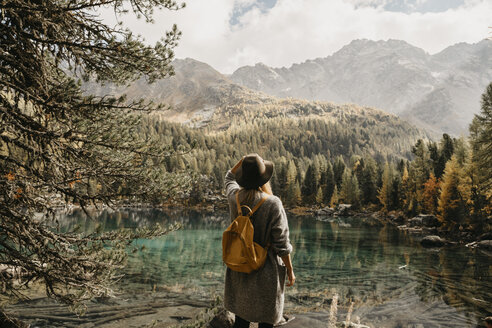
(427, 227)
(424, 226)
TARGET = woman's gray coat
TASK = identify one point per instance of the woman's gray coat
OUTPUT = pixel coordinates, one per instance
(259, 295)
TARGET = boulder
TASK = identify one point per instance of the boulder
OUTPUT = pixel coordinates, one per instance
(397, 219)
(325, 211)
(426, 220)
(415, 222)
(432, 241)
(343, 209)
(430, 220)
(224, 319)
(485, 244)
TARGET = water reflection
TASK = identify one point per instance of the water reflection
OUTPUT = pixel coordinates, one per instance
(393, 281)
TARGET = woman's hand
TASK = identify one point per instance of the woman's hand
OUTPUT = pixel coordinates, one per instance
(290, 271)
(292, 277)
(234, 169)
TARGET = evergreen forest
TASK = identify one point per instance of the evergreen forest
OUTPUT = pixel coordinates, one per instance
(358, 158)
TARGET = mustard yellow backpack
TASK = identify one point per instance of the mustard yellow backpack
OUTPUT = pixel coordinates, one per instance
(239, 251)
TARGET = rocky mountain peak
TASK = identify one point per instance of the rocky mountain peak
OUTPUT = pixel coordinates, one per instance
(440, 91)
(380, 49)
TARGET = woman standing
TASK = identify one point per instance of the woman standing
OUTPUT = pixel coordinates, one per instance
(259, 296)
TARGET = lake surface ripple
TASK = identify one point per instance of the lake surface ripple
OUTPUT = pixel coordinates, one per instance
(391, 279)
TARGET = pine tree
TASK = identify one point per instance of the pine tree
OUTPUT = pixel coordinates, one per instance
(310, 185)
(334, 198)
(280, 178)
(367, 182)
(319, 196)
(297, 196)
(207, 167)
(384, 194)
(328, 184)
(461, 150)
(291, 185)
(395, 193)
(297, 199)
(451, 205)
(405, 189)
(420, 169)
(348, 191)
(57, 140)
(481, 142)
(476, 201)
(444, 154)
(431, 195)
(338, 169)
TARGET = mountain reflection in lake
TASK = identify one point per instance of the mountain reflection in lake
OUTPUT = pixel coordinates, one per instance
(392, 280)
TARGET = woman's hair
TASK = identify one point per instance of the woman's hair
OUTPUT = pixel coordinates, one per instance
(248, 195)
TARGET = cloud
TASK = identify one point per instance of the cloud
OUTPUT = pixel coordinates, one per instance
(295, 30)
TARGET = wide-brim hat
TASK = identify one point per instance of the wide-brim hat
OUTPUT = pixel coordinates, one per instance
(254, 172)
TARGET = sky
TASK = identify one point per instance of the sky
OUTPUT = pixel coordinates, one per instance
(228, 34)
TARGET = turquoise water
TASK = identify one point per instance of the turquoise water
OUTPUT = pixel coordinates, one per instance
(391, 279)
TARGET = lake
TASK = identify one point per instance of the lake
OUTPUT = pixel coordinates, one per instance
(390, 278)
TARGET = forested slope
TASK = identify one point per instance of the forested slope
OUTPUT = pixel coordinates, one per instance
(293, 134)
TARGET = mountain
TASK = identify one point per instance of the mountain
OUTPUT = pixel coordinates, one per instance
(194, 92)
(440, 92)
(200, 96)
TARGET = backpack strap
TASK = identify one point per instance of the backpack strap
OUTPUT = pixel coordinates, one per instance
(257, 206)
(238, 205)
(251, 211)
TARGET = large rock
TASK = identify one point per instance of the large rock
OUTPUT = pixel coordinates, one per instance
(485, 244)
(325, 211)
(396, 218)
(425, 220)
(415, 222)
(343, 209)
(432, 241)
(429, 220)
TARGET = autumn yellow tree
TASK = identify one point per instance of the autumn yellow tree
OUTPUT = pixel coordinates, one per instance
(384, 194)
(334, 197)
(451, 206)
(406, 192)
(431, 194)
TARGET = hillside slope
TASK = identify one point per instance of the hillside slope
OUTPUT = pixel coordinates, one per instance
(440, 92)
(203, 98)
(194, 92)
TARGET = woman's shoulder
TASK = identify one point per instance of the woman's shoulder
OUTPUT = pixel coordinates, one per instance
(273, 201)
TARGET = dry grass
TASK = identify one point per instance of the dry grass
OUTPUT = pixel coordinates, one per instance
(332, 321)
